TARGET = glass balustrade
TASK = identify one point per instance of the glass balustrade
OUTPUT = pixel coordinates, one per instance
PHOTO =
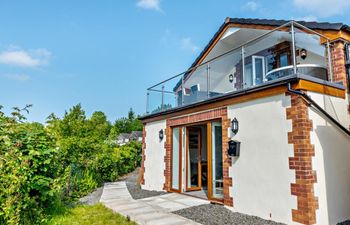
(268, 56)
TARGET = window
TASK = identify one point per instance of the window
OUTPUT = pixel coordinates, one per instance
(283, 59)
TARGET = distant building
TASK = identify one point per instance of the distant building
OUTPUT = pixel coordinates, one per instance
(136, 136)
(125, 138)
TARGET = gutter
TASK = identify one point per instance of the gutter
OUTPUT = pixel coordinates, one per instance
(319, 108)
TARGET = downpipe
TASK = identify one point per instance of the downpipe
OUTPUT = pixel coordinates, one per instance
(316, 106)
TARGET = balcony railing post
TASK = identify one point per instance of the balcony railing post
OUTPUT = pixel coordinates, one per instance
(162, 106)
(293, 48)
(330, 66)
(147, 103)
(243, 67)
(208, 80)
(182, 91)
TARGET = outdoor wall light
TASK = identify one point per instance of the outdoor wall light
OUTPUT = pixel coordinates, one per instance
(161, 135)
(303, 53)
(230, 78)
(234, 126)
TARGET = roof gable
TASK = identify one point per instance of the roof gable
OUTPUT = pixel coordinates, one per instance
(229, 22)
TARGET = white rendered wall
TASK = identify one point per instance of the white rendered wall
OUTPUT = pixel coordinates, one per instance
(331, 162)
(155, 152)
(261, 175)
(336, 107)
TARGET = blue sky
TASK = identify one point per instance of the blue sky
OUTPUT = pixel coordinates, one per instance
(104, 54)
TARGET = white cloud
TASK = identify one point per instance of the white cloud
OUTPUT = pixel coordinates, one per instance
(18, 77)
(187, 44)
(323, 8)
(149, 4)
(31, 58)
(251, 6)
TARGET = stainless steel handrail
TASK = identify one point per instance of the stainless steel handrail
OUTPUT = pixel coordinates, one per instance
(239, 47)
(291, 67)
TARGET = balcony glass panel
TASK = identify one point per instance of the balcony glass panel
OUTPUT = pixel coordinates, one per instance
(164, 96)
(225, 74)
(311, 54)
(263, 56)
(195, 85)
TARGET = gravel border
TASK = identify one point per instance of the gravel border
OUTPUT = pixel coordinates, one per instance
(132, 183)
(213, 214)
(92, 198)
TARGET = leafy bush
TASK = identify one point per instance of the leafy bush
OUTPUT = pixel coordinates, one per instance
(43, 167)
(28, 184)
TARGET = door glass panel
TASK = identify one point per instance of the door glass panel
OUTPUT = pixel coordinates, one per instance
(259, 70)
(217, 163)
(248, 75)
(193, 158)
(283, 59)
(176, 159)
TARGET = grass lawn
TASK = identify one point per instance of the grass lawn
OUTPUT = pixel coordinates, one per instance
(90, 215)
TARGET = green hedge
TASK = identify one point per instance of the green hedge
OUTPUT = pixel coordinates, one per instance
(43, 168)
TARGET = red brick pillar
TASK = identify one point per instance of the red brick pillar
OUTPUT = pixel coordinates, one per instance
(338, 63)
(142, 171)
(167, 157)
(226, 123)
(301, 162)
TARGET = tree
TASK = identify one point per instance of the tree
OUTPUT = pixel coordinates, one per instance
(126, 125)
(99, 126)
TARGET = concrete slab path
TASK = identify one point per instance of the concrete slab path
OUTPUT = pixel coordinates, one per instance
(148, 211)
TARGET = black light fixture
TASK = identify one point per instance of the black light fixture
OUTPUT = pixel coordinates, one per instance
(234, 126)
(161, 135)
(303, 53)
(230, 78)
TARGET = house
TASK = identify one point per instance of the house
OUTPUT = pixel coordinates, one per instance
(259, 122)
(136, 136)
(124, 138)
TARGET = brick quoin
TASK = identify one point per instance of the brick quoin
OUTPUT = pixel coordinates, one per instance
(220, 113)
(338, 63)
(142, 171)
(301, 162)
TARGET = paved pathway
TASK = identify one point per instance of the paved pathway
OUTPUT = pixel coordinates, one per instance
(148, 211)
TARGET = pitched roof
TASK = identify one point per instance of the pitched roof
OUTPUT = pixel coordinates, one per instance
(311, 25)
(135, 135)
(268, 22)
(123, 136)
(264, 22)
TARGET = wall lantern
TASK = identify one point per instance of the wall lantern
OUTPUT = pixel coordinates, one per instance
(161, 135)
(303, 53)
(234, 126)
(230, 78)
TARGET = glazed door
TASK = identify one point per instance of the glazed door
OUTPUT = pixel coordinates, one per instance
(193, 175)
(258, 69)
(216, 161)
(176, 158)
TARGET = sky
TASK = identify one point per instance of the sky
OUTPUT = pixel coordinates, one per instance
(104, 54)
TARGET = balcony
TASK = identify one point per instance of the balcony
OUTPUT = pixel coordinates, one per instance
(236, 64)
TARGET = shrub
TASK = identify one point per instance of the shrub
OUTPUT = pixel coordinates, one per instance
(43, 167)
(28, 185)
